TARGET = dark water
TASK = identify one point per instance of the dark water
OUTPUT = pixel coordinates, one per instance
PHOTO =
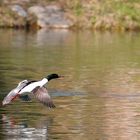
(99, 98)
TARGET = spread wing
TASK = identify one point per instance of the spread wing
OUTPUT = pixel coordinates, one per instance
(14, 93)
(11, 96)
(42, 95)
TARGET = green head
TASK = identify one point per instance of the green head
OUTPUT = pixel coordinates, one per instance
(52, 76)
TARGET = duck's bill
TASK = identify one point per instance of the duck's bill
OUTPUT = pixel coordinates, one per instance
(61, 77)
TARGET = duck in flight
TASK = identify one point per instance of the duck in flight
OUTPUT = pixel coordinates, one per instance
(25, 87)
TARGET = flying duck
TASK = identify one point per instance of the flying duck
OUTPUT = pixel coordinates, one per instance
(25, 87)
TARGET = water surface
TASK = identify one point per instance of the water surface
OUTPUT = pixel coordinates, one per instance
(99, 98)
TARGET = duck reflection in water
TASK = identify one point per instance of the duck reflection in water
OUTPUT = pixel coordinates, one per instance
(15, 129)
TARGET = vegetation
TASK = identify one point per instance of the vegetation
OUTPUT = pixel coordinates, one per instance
(102, 14)
(93, 14)
(10, 19)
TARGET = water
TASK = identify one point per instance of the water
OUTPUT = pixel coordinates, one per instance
(99, 97)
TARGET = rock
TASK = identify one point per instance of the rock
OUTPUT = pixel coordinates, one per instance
(36, 10)
(19, 10)
(53, 9)
(51, 16)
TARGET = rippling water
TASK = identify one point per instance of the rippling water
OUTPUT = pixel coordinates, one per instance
(99, 98)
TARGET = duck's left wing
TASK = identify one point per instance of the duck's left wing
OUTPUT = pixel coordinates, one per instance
(14, 93)
(11, 96)
(42, 95)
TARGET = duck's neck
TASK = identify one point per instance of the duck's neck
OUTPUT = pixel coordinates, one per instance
(43, 81)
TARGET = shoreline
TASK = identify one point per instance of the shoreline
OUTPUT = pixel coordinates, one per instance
(92, 15)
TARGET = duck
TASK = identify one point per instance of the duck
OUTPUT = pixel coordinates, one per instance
(37, 88)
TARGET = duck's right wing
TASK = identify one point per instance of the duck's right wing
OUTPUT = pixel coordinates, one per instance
(25, 97)
(42, 95)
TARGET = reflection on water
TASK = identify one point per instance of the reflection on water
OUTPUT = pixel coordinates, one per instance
(15, 129)
(99, 98)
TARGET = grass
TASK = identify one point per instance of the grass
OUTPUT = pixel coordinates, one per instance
(103, 14)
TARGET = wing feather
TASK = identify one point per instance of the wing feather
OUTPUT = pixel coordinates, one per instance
(42, 95)
(11, 96)
(14, 93)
